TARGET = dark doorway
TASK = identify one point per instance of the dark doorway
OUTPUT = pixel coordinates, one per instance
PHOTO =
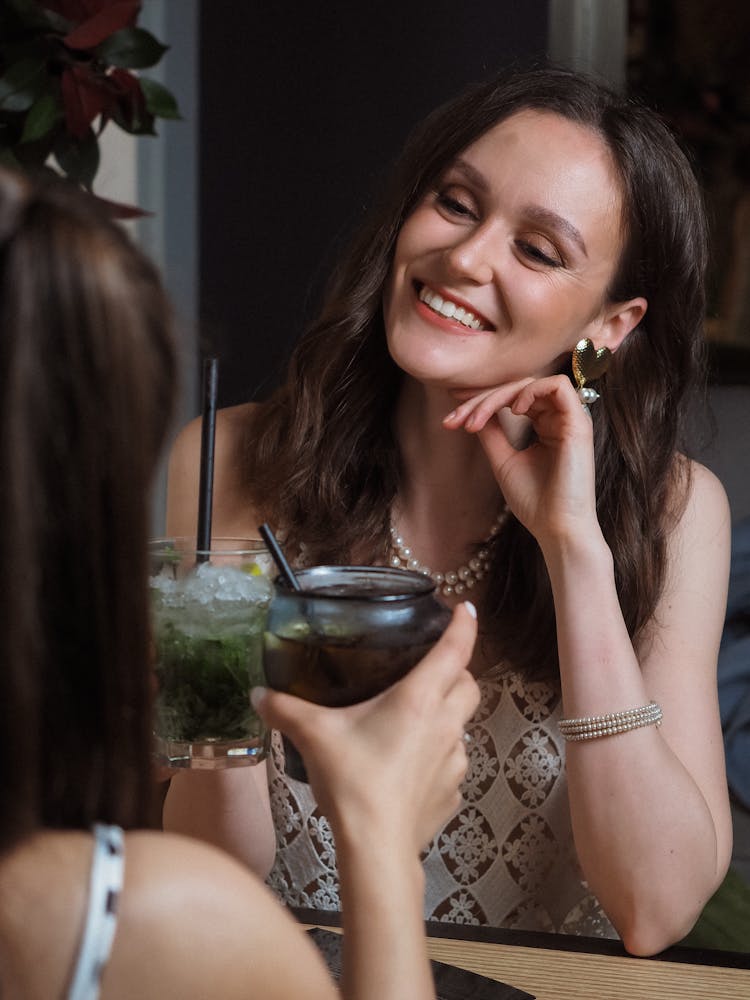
(303, 106)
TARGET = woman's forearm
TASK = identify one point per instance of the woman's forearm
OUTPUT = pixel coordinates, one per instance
(644, 833)
(645, 837)
(229, 809)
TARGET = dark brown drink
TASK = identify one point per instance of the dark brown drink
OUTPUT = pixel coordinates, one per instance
(351, 632)
(335, 672)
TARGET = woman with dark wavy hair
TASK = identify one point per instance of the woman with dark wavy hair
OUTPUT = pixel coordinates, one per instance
(541, 234)
(92, 902)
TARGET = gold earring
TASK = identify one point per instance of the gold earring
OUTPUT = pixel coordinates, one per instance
(588, 364)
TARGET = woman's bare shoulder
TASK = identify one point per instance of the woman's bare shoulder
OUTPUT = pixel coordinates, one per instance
(160, 864)
(194, 922)
(700, 537)
(697, 569)
(231, 425)
(706, 509)
(230, 476)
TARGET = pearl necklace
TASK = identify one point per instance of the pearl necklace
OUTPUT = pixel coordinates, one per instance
(456, 581)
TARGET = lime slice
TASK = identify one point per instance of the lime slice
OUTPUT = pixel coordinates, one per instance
(252, 569)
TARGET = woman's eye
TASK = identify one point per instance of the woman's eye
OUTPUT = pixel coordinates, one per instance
(454, 206)
(550, 256)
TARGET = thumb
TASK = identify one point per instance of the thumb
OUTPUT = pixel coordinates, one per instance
(496, 445)
(280, 710)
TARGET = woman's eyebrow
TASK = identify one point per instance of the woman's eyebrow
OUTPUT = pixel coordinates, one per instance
(546, 217)
(476, 177)
(534, 213)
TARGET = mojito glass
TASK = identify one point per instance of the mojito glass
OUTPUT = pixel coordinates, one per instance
(209, 611)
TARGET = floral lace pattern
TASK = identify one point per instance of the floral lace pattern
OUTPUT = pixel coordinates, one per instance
(505, 859)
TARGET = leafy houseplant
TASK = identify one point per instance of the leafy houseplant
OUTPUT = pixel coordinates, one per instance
(65, 72)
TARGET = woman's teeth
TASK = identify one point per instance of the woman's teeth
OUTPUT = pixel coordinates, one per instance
(444, 307)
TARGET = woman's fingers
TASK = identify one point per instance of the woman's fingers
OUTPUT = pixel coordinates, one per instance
(474, 413)
(553, 395)
(452, 773)
(464, 697)
(551, 404)
(294, 716)
(526, 397)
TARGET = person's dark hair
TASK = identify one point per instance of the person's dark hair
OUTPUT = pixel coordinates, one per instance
(325, 466)
(86, 389)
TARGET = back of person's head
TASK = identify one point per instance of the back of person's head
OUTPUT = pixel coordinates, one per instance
(86, 392)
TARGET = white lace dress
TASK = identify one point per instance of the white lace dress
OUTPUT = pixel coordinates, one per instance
(506, 859)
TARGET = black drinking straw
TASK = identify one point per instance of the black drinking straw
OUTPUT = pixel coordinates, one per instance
(278, 557)
(208, 436)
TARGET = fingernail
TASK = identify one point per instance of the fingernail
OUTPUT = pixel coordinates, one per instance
(450, 416)
(471, 609)
(257, 695)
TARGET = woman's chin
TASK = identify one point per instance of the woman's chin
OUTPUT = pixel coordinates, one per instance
(428, 369)
(431, 379)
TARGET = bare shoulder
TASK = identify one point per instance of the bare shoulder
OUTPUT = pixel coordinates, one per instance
(706, 518)
(707, 488)
(43, 897)
(689, 618)
(698, 545)
(194, 923)
(231, 424)
(230, 500)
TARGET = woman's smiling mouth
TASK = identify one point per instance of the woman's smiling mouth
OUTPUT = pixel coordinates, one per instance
(451, 309)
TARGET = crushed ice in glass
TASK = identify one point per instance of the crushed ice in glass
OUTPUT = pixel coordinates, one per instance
(218, 589)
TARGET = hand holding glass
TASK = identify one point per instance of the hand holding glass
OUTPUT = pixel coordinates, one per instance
(348, 634)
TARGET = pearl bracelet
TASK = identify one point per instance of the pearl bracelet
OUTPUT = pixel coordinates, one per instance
(591, 727)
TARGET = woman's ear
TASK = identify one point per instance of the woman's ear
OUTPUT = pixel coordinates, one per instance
(618, 320)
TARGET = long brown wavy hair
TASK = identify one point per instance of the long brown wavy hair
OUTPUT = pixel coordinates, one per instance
(322, 460)
(86, 389)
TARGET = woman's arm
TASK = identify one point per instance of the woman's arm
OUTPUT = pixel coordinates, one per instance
(386, 773)
(230, 809)
(649, 807)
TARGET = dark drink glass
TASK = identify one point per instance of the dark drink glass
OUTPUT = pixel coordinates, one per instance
(349, 633)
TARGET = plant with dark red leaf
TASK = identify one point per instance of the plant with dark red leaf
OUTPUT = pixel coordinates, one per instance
(66, 70)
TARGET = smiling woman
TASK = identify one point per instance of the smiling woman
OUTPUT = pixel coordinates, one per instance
(429, 416)
(524, 244)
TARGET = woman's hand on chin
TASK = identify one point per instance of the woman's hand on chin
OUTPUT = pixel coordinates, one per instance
(549, 485)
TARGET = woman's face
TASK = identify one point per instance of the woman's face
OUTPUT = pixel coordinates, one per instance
(504, 266)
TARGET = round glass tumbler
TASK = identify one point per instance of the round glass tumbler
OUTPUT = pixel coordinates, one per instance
(349, 633)
(209, 610)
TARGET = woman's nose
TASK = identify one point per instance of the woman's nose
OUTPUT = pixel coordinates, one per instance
(472, 258)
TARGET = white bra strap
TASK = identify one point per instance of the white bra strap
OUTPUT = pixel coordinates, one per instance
(101, 919)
